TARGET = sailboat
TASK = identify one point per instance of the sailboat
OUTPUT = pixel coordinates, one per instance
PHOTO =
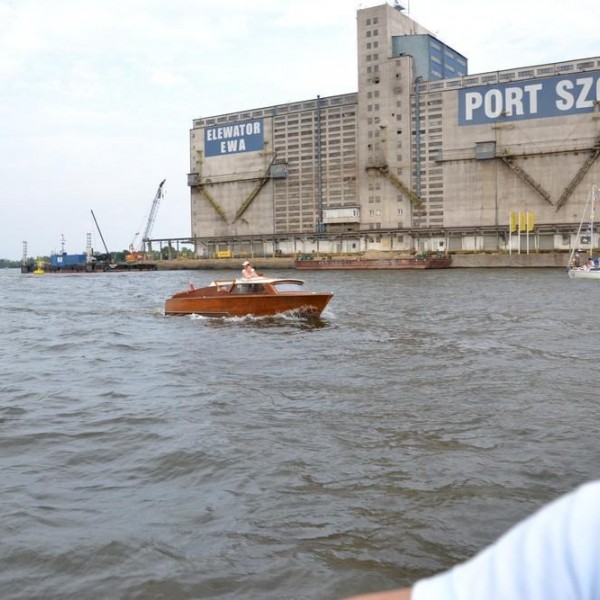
(591, 268)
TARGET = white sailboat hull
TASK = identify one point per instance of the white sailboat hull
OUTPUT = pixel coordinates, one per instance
(592, 268)
(582, 274)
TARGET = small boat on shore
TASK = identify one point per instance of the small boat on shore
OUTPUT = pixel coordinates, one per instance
(586, 272)
(433, 261)
(260, 296)
(591, 267)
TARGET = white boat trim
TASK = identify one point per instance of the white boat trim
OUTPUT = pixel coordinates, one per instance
(584, 274)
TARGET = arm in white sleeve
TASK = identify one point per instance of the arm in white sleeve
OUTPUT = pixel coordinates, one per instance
(552, 555)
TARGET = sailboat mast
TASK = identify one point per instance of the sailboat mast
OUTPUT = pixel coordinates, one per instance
(592, 217)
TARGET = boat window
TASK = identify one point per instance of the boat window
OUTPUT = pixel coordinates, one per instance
(248, 288)
(289, 286)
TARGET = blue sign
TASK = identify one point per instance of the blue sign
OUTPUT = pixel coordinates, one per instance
(530, 99)
(247, 136)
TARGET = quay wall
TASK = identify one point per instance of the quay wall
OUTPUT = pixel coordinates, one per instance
(459, 261)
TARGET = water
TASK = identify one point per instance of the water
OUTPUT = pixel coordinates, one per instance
(145, 456)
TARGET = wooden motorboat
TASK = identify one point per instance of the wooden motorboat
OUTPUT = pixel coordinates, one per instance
(261, 296)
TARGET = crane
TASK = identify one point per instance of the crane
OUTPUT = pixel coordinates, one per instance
(138, 253)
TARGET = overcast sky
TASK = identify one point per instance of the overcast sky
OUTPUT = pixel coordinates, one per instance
(97, 97)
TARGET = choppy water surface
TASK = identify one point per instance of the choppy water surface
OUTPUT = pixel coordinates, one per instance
(145, 456)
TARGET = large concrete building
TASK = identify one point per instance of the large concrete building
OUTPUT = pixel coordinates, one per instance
(424, 157)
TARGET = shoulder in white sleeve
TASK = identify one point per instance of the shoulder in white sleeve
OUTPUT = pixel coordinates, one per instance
(552, 555)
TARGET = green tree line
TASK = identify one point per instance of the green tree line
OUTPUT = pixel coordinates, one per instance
(5, 263)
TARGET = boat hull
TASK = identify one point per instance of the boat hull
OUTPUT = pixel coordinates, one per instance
(408, 262)
(311, 305)
(582, 274)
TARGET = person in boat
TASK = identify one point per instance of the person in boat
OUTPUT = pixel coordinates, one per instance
(551, 555)
(589, 265)
(248, 271)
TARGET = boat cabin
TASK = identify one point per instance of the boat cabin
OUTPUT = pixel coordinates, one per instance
(261, 296)
(262, 285)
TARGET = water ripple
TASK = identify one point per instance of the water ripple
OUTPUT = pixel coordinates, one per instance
(148, 456)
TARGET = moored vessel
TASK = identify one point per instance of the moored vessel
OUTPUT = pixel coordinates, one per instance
(84, 262)
(419, 261)
(590, 269)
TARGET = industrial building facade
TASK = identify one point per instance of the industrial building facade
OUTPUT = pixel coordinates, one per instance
(424, 157)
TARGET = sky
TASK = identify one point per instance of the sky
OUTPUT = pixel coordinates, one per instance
(97, 97)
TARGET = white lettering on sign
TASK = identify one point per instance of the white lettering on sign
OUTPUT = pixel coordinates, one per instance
(544, 97)
(473, 101)
(233, 146)
(492, 104)
(563, 91)
(507, 101)
(569, 97)
(247, 136)
(233, 131)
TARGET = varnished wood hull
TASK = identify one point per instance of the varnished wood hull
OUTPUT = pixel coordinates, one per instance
(307, 304)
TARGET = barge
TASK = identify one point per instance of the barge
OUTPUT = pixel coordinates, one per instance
(418, 261)
(72, 263)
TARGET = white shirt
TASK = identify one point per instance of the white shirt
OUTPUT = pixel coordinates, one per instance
(552, 555)
(248, 272)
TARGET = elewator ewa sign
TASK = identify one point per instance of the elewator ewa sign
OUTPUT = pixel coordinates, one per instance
(245, 136)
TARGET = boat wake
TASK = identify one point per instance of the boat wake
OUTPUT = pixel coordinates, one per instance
(287, 318)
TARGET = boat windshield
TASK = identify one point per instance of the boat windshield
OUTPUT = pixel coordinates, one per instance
(289, 286)
(249, 288)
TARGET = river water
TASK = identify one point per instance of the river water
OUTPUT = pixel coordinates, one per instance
(154, 457)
